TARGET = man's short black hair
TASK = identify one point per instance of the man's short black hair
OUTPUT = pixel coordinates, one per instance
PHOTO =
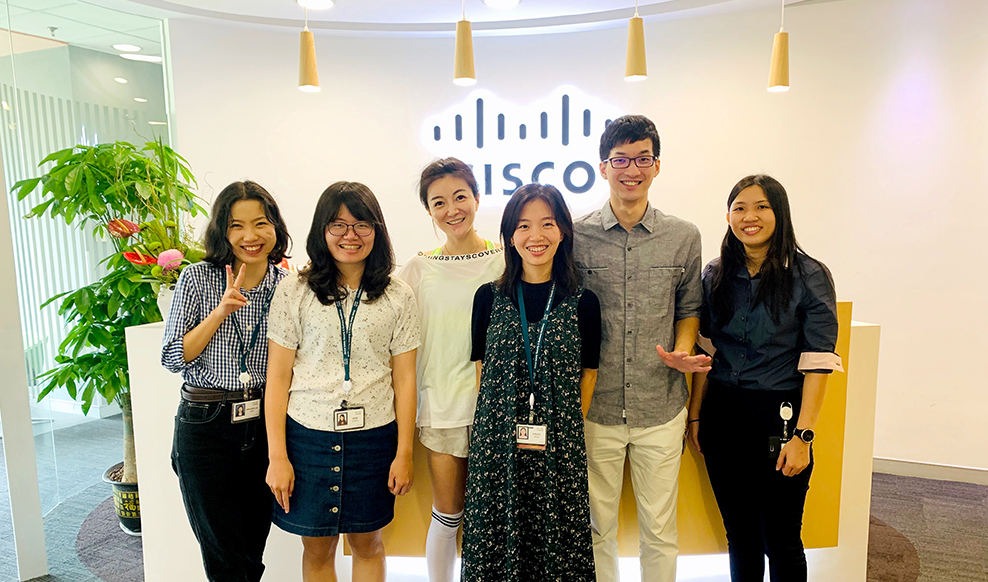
(628, 129)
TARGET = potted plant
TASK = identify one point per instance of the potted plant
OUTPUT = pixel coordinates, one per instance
(135, 197)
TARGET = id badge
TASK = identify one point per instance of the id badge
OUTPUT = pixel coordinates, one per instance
(530, 436)
(246, 410)
(348, 419)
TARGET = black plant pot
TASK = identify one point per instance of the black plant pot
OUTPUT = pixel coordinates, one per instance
(126, 502)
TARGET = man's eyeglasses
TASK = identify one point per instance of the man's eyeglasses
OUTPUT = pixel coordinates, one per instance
(640, 161)
(341, 228)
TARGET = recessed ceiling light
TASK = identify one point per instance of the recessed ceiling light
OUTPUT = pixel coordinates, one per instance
(501, 3)
(127, 48)
(316, 4)
(140, 99)
(120, 80)
(144, 58)
(157, 123)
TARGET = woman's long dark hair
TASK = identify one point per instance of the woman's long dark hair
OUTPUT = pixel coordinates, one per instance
(780, 268)
(322, 274)
(563, 267)
(218, 249)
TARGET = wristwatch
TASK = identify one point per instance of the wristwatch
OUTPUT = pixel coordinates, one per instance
(805, 434)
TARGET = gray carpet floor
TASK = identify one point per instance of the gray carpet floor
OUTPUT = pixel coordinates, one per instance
(922, 530)
(945, 525)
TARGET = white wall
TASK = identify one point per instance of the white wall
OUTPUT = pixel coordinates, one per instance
(881, 143)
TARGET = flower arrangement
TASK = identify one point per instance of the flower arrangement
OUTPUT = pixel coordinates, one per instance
(158, 251)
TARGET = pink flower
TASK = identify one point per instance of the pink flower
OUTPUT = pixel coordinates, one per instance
(170, 259)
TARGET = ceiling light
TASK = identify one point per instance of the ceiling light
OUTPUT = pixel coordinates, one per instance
(157, 123)
(316, 4)
(120, 80)
(463, 71)
(143, 58)
(778, 73)
(500, 4)
(308, 72)
(634, 63)
(5, 106)
(140, 99)
(127, 48)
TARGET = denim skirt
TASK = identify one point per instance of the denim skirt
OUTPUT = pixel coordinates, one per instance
(341, 480)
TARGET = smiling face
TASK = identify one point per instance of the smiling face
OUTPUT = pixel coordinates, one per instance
(752, 219)
(630, 185)
(349, 248)
(536, 239)
(452, 206)
(250, 233)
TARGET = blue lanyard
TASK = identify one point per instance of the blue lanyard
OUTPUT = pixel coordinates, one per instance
(245, 349)
(533, 362)
(346, 334)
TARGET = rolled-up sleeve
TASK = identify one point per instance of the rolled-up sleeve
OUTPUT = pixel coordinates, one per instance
(689, 293)
(819, 308)
(185, 314)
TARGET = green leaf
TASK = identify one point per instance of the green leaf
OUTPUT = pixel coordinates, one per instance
(124, 287)
(56, 155)
(72, 180)
(25, 187)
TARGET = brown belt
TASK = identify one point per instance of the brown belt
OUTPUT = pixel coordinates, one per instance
(194, 394)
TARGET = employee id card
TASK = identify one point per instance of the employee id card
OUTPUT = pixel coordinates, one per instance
(246, 410)
(530, 436)
(348, 419)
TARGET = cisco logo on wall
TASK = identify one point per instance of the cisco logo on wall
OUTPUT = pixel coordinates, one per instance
(551, 141)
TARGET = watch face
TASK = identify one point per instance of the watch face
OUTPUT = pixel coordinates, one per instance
(807, 435)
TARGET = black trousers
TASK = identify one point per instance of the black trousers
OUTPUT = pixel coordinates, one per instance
(221, 468)
(761, 507)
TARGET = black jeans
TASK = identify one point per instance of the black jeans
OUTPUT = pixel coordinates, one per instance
(221, 468)
(761, 507)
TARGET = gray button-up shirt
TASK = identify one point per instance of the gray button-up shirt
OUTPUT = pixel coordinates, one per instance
(646, 280)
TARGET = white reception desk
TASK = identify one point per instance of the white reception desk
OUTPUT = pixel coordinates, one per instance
(171, 552)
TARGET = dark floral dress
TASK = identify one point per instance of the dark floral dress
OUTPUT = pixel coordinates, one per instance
(527, 515)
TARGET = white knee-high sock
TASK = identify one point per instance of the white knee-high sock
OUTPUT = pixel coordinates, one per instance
(440, 545)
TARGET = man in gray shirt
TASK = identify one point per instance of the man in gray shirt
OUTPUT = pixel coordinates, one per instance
(644, 266)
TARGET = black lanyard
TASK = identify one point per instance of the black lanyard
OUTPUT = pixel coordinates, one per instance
(533, 361)
(346, 336)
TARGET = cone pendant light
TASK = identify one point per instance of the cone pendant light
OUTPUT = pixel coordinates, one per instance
(463, 71)
(308, 74)
(778, 74)
(634, 64)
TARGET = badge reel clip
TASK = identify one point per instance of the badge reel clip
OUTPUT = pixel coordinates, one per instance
(248, 409)
(775, 443)
(346, 418)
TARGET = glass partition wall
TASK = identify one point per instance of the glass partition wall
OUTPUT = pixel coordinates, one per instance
(70, 73)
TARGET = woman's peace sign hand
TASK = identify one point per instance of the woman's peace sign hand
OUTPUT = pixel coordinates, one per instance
(232, 299)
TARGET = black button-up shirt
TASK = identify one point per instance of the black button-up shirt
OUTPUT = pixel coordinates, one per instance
(752, 351)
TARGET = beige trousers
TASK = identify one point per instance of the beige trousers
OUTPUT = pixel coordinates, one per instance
(655, 454)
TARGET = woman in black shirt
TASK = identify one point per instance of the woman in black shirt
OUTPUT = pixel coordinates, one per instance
(770, 315)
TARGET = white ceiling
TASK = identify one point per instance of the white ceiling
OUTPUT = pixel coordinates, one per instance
(428, 17)
(99, 24)
(82, 24)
